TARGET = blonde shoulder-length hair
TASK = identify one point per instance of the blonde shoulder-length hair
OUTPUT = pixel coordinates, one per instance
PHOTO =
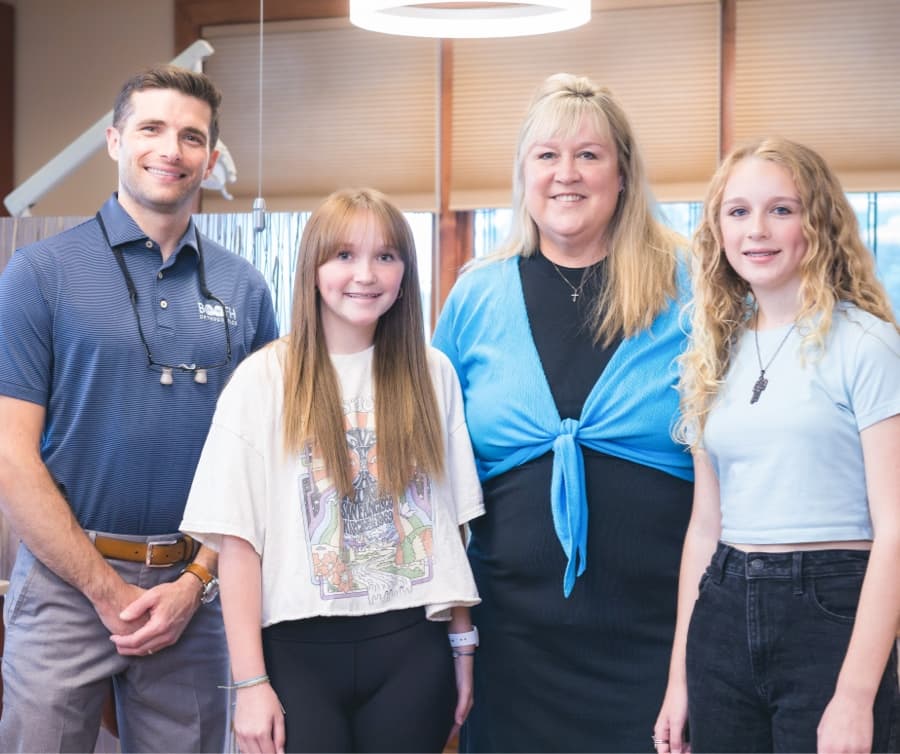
(642, 253)
(837, 267)
(407, 418)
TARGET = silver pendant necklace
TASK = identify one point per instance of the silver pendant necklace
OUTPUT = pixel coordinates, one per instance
(576, 292)
(762, 382)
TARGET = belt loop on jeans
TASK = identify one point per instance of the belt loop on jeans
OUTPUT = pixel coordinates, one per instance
(797, 572)
(717, 567)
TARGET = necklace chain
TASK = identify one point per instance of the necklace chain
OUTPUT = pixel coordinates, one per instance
(762, 381)
(576, 292)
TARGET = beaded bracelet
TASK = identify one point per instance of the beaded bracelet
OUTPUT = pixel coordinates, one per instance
(257, 681)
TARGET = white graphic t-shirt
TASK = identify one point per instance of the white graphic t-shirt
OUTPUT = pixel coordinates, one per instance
(324, 554)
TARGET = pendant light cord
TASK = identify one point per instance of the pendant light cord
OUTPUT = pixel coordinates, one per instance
(259, 204)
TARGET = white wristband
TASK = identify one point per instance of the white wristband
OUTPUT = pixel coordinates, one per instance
(467, 639)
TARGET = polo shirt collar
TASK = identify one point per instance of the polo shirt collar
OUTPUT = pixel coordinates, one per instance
(122, 228)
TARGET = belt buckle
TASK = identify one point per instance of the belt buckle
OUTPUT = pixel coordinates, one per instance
(161, 543)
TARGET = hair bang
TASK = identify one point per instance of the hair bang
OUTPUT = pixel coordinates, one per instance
(564, 117)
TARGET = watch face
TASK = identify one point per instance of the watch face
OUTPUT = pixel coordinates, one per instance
(210, 591)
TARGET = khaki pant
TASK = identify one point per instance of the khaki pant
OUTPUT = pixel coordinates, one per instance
(58, 660)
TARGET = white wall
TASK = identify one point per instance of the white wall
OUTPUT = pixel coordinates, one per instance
(72, 56)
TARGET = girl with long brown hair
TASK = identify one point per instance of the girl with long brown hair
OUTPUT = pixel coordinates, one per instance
(334, 481)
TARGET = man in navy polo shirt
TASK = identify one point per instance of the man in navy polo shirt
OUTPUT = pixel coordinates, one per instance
(116, 338)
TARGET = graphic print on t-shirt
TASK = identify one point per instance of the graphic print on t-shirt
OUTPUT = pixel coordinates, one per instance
(365, 545)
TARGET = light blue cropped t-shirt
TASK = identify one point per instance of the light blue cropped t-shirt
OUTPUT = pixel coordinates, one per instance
(790, 466)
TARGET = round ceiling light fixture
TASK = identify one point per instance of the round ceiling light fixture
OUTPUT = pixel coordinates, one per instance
(459, 19)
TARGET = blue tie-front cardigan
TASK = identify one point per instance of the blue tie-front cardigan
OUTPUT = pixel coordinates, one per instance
(510, 411)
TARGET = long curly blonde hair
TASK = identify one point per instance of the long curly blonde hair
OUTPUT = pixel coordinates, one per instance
(837, 267)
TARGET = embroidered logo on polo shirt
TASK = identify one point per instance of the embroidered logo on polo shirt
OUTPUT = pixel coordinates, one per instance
(215, 313)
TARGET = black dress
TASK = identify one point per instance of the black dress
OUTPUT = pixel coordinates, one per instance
(585, 673)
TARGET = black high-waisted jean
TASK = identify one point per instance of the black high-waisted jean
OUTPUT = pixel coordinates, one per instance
(765, 645)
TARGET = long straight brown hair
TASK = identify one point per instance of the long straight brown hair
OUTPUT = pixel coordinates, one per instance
(407, 419)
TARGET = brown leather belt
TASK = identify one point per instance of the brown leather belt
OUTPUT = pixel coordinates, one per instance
(165, 552)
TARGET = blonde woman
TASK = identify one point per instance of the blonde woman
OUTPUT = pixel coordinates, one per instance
(564, 341)
(791, 402)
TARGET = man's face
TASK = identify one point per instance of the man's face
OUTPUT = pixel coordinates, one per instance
(163, 151)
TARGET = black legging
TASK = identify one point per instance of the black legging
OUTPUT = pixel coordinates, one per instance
(375, 683)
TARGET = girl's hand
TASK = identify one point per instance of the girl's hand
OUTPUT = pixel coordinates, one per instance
(671, 724)
(259, 721)
(846, 726)
(463, 666)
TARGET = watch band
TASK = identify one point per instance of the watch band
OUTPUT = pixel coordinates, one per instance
(467, 639)
(209, 588)
(199, 571)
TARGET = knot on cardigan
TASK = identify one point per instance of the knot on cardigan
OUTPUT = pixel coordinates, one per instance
(569, 427)
(565, 445)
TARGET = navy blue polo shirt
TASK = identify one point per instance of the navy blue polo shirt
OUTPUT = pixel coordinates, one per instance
(123, 446)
